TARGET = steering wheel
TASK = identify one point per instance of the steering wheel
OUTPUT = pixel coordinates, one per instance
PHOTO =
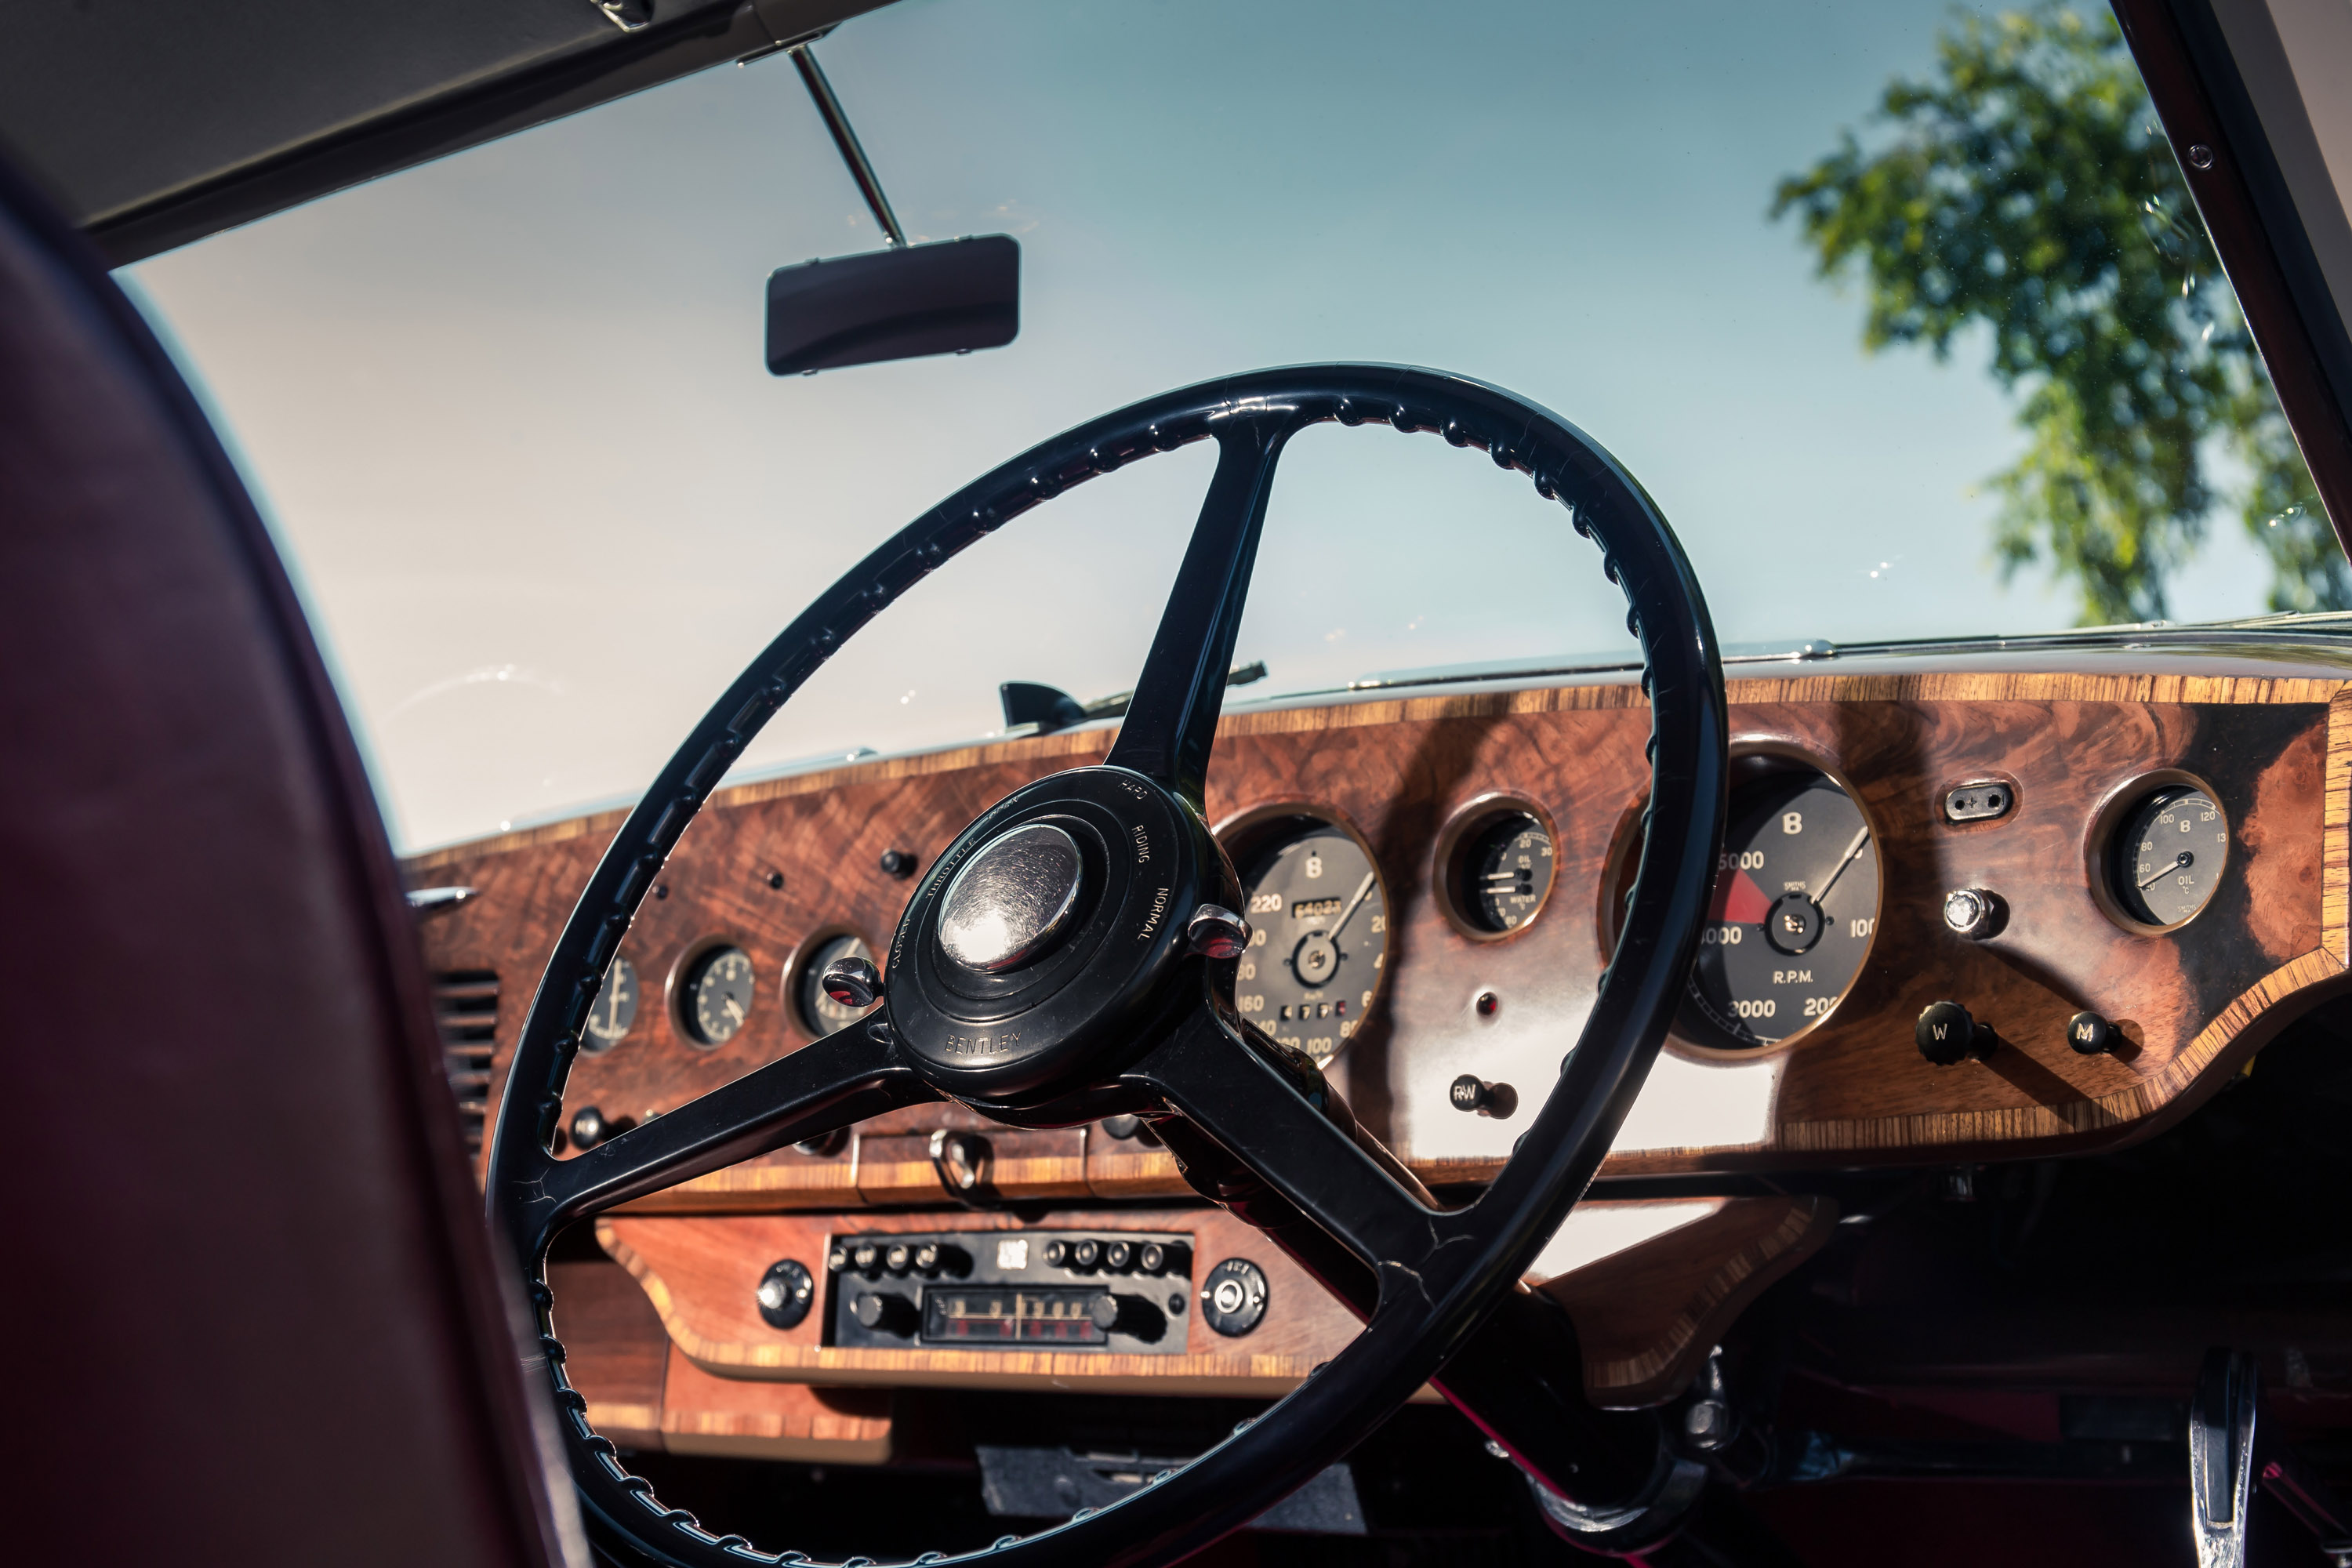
(1070, 957)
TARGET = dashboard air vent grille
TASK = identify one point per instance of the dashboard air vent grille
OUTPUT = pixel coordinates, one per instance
(466, 1001)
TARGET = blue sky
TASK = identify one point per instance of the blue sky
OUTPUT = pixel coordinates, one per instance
(509, 415)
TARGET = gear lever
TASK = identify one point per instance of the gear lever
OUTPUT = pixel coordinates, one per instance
(2221, 1455)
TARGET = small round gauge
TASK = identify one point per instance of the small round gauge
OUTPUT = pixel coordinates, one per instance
(1507, 874)
(2169, 851)
(1319, 942)
(820, 1013)
(615, 1009)
(1796, 905)
(717, 995)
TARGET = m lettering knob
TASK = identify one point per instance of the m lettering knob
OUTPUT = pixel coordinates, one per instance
(2090, 1035)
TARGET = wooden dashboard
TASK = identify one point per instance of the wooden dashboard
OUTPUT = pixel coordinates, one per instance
(780, 866)
(771, 866)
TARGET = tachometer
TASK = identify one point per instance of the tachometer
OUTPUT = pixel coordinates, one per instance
(1796, 905)
(1319, 941)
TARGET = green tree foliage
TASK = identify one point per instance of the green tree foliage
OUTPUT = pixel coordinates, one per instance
(2027, 190)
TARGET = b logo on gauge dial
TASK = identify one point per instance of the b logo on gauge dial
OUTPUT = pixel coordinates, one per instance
(1318, 943)
(1796, 905)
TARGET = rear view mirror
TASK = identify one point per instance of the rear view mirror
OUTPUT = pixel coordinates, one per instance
(951, 297)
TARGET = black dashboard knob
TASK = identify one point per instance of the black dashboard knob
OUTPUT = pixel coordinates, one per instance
(1948, 1033)
(2090, 1035)
(588, 1129)
(884, 1312)
(785, 1293)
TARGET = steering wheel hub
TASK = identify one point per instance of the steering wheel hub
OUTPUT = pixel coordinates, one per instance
(1040, 940)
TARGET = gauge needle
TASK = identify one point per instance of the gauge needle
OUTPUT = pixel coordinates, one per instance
(734, 1009)
(2186, 858)
(1852, 850)
(1353, 904)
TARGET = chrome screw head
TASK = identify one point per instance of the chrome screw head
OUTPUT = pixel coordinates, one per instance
(1971, 911)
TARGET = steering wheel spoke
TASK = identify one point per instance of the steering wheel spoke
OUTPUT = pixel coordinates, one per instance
(1172, 721)
(1265, 1113)
(844, 1078)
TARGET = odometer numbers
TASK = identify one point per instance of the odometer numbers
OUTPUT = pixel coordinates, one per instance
(1795, 906)
(1318, 942)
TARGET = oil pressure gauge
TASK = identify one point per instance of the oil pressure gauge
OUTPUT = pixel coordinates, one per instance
(2168, 855)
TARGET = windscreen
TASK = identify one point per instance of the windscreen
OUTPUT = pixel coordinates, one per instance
(1899, 311)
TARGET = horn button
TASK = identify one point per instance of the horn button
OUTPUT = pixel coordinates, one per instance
(1012, 899)
(1037, 946)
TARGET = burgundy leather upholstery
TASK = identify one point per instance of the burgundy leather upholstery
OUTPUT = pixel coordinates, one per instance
(247, 1300)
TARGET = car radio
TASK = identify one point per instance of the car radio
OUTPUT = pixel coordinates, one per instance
(1128, 1292)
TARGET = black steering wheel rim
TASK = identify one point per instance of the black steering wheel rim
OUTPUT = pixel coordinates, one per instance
(1441, 1273)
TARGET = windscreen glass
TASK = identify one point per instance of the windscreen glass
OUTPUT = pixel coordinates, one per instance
(1901, 312)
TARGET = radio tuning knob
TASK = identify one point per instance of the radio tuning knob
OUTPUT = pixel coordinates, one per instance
(884, 1312)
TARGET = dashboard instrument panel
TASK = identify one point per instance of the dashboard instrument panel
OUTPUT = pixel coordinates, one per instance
(1418, 792)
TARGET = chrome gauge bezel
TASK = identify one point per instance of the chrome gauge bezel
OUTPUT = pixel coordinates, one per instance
(2100, 849)
(1460, 835)
(1250, 836)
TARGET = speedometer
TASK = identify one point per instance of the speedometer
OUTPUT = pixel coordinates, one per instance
(1796, 905)
(1318, 942)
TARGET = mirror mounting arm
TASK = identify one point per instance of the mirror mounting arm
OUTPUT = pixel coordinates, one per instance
(838, 121)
